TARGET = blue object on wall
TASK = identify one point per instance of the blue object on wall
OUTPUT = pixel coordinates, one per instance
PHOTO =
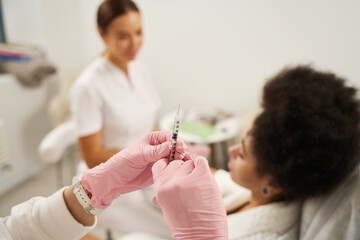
(2, 30)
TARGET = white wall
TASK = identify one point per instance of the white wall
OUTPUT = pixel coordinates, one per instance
(204, 52)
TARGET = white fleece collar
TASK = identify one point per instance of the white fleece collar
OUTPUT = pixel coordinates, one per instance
(275, 219)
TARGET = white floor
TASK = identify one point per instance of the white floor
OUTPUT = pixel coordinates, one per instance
(43, 184)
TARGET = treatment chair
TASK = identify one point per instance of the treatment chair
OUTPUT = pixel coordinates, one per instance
(335, 215)
(332, 216)
(59, 146)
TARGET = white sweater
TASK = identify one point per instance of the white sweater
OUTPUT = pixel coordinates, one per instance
(42, 218)
(271, 221)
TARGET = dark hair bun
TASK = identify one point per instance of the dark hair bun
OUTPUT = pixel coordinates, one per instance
(307, 137)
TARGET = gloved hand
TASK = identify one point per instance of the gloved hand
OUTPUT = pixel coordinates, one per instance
(129, 169)
(190, 199)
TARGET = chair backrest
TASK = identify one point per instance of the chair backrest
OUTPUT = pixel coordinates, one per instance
(59, 106)
(55, 144)
(334, 216)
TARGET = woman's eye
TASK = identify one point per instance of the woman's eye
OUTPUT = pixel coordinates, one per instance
(122, 37)
(240, 155)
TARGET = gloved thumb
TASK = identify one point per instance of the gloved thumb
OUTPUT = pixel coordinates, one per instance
(201, 165)
(189, 156)
(158, 168)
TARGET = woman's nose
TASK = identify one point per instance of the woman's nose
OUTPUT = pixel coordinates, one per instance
(134, 41)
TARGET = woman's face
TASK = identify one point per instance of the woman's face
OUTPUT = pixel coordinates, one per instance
(123, 37)
(242, 164)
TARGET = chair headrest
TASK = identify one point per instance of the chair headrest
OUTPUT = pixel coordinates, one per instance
(335, 215)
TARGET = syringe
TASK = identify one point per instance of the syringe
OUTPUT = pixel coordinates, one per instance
(175, 135)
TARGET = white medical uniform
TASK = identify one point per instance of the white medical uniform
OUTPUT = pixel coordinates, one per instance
(42, 218)
(104, 98)
(124, 108)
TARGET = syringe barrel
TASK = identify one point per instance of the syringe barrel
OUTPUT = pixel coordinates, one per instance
(174, 136)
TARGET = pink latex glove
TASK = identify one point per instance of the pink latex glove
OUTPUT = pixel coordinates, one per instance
(190, 199)
(129, 169)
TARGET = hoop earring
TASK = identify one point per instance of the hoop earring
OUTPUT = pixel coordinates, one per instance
(265, 191)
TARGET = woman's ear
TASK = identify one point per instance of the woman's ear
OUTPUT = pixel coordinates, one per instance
(274, 187)
(270, 188)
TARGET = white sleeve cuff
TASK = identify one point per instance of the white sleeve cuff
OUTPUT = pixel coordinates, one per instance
(55, 219)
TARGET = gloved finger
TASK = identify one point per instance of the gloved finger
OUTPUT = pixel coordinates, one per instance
(181, 149)
(201, 166)
(184, 156)
(172, 167)
(185, 169)
(179, 156)
(159, 167)
(180, 145)
(188, 156)
(166, 174)
(158, 137)
(158, 152)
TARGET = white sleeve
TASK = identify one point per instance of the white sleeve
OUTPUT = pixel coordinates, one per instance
(42, 218)
(86, 110)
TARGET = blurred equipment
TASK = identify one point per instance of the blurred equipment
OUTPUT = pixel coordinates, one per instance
(208, 132)
(2, 30)
(27, 63)
(4, 149)
(24, 123)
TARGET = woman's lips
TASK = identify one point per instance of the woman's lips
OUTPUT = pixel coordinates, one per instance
(132, 54)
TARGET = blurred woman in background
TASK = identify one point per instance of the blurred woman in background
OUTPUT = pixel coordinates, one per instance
(114, 102)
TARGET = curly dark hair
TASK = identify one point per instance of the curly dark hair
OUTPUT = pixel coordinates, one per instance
(307, 137)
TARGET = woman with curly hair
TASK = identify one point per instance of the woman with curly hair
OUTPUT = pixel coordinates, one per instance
(303, 144)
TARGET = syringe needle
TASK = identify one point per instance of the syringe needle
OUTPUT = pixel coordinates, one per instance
(177, 114)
